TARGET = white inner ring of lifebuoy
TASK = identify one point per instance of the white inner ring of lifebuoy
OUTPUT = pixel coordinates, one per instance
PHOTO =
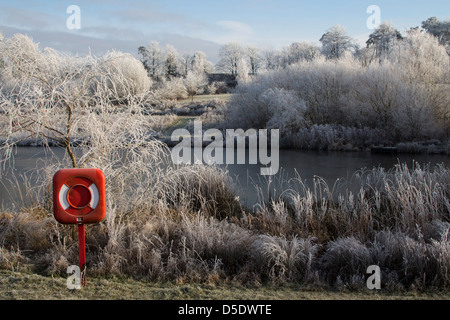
(65, 203)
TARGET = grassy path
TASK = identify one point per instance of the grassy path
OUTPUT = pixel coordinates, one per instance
(207, 97)
(24, 286)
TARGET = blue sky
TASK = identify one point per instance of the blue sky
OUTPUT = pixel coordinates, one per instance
(202, 24)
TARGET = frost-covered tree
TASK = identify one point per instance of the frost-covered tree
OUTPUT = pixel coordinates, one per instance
(170, 89)
(242, 73)
(230, 55)
(194, 82)
(59, 98)
(439, 29)
(126, 76)
(335, 42)
(154, 60)
(421, 60)
(404, 96)
(254, 59)
(28, 60)
(383, 39)
(272, 59)
(256, 106)
(366, 56)
(288, 111)
(49, 97)
(144, 54)
(185, 64)
(301, 51)
(172, 62)
(200, 63)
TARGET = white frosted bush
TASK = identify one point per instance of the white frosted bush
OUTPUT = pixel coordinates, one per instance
(320, 84)
(173, 89)
(384, 99)
(421, 58)
(195, 82)
(22, 58)
(405, 96)
(287, 110)
(122, 75)
(273, 108)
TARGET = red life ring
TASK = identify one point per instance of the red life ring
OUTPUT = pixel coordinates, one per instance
(79, 196)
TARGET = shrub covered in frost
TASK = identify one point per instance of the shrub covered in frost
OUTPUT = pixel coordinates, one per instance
(404, 96)
(122, 76)
(173, 89)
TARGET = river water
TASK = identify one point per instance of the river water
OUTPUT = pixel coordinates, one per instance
(306, 164)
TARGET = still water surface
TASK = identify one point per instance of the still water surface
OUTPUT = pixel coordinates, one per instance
(307, 164)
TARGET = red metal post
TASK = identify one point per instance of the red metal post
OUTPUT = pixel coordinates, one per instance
(82, 253)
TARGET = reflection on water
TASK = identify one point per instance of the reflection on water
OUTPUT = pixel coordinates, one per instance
(307, 164)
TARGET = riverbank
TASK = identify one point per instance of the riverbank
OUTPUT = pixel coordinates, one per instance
(429, 147)
(211, 111)
(195, 230)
